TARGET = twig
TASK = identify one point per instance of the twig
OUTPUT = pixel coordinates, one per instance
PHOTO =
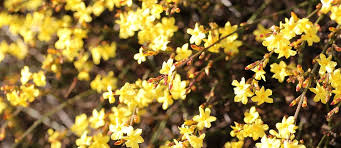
(56, 109)
(331, 40)
(245, 25)
(326, 135)
(72, 86)
(35, 114)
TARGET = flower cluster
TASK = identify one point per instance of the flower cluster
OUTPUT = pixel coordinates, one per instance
(86, 45)
(27, 92)
(253, 127)
(190, 131)
(283, 138)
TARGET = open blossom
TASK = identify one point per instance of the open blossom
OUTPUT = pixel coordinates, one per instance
(97, 118)
(321, 93)
(81, 124)
(196, 142)
(269, 143)
(204, 119)
(254, 126)
(280, 71)
(326, 5)
(326, 64)
(242, 91)
(262, 96)
(183, 52)
(109, 95)
(100, 141)
(25, 75)
(251, 116)
(167, 67)
(133, 137)
(279, 44)
(260, 32)
(285, 128)
(140, 57)
(336, 14)
(197, 34)
(166, 100)
(259, 73)
(178, 90)
(237, 144)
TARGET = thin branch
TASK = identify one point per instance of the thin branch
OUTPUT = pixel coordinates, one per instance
(310, 77)
(53, 111)
(240, 29)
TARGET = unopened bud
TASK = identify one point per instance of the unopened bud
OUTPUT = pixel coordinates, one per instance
(335, 101)
(195, 47)
(294, 102)
(305, 104)
(332, 112)
(305, 83)
(298, 87)
(202, 55)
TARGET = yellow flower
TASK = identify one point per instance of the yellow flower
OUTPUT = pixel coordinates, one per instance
(236, 144)
(104, 51)
(127, 24)
(337, 97)
(335, 78)
(81, 124)
(237, 131)
(228, 29)
(97, 118)
(84, 140)
(204, 119)
(140, 57)
(101, 83)
(14, 99)
(242, 91)
(260, 32)
(251, 116)
(183, 52)
(320, 93)
(280, 71)
(256, 129)
(100, 141)
(29, 91)
(212, 38)
(54, 138)
(254, 126)
(326, 5)
(133, 137)
(336, 14)
(167, 67)
(259, 73)
(178, 90)
(262, 96)
(197, 34)
(196, 142)
(39, 78)
(292, 144)
(311, 36)
(25, 75)
(109, 95)
(269, 143)
(166, 99)
(285, 129)
(186, 130)
(3, 105)
(279, 44)
(326, 64)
